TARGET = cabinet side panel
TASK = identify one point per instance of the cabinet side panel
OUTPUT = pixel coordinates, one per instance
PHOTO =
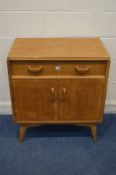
(105, 88)
(11, 88)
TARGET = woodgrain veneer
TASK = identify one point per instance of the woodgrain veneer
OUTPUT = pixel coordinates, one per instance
(58, 81)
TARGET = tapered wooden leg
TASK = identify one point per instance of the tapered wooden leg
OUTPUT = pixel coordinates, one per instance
(93, 132)
(22, 133)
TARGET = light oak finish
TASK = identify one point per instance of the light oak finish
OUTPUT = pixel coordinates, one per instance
(58, 48)
(22, 133)
(58, 81)
(93, 131)
(38, 95)
(34, 68)
(81, 93)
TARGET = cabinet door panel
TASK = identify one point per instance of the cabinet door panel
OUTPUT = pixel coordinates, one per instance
(35, 100)
(81, 99)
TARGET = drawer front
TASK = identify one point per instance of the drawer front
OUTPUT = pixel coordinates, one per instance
(74, 68)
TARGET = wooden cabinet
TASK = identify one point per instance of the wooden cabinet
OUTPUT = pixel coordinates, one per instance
(58, 81)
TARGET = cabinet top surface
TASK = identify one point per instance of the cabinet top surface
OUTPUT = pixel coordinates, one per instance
(57, 49)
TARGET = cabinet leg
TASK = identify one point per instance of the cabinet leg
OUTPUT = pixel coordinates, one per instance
(22, 133)
(93, 132)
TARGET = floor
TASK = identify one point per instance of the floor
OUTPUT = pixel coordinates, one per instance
(58, 150)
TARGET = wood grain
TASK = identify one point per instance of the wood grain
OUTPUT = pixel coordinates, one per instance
(58, 81)
(57, 48)
(58, 68)
(34, 101)
(83, 99)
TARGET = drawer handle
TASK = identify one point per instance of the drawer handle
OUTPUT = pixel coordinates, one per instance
(35, 69)
(82, 70)
(52, 97)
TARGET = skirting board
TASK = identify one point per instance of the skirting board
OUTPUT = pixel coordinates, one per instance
(110, 107)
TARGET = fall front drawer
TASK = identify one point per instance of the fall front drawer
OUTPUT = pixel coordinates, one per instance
(39, 68)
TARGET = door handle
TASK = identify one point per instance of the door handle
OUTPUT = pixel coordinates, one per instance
(64, 92)
(52, 93)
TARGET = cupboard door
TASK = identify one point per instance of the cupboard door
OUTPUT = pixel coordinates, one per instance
(35, 100)
(81, 99)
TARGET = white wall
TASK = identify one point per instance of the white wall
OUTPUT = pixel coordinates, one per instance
(54, 18)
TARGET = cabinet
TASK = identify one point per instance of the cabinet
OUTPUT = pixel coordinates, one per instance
(58, 81)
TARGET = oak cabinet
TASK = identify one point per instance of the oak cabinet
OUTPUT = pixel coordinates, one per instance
(58, 81)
